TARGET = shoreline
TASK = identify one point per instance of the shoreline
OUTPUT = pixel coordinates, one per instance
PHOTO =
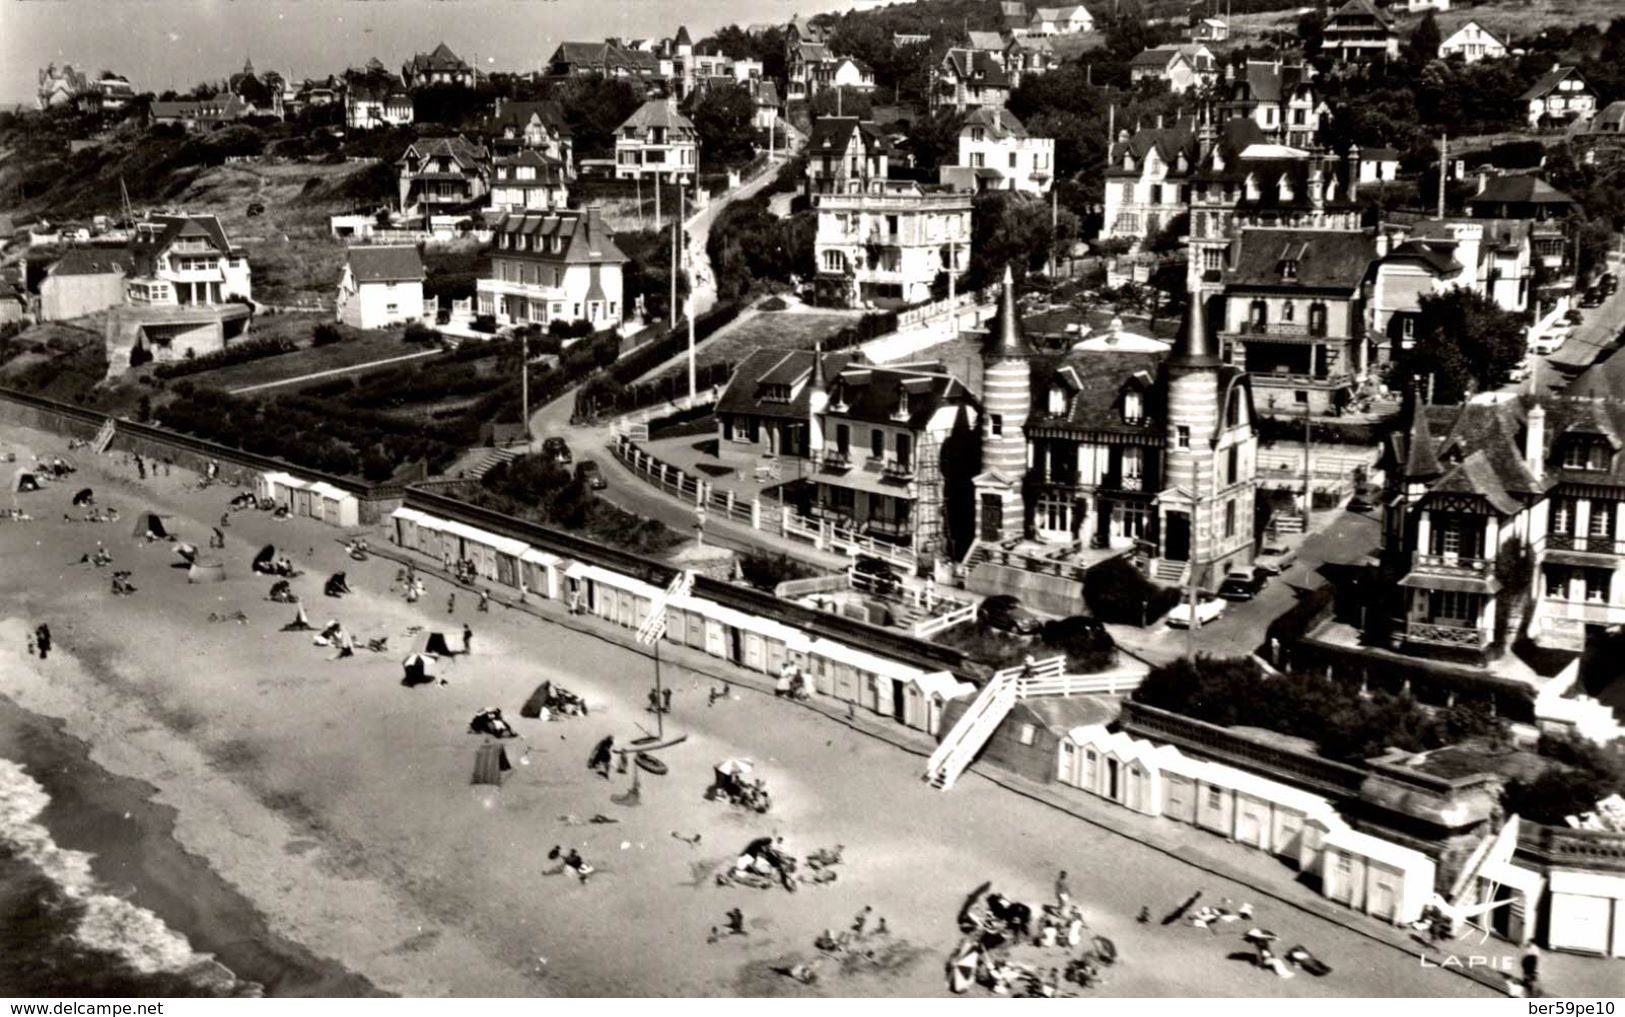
(137, 858)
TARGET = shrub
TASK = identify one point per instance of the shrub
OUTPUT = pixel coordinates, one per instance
(772, 304)
(139, 355)
(1087, 648)
(236, 353)
(417, 332)
(767, 569)
(486, 323)
(326, 334)
(1116, 592)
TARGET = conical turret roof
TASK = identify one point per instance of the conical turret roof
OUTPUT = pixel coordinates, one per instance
(1421, 462)
(1008, 339)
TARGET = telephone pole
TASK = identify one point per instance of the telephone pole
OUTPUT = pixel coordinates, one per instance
(1444, 163)
(524, 382)
(1308, 495)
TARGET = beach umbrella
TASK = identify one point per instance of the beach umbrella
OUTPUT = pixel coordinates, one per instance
(962, 972)
(264, 557)
(1260, 936)
(734, 767)
(186, 551)
(418, 660)
(84, 497)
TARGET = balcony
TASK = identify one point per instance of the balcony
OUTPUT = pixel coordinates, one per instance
(889, 530)
(891, 469)
(1299, 380)
(1279, 330)
(834, 462)
(1119, 482)
(1468, 637)
(1586, 612)
(1451, 565)
(1603, 544)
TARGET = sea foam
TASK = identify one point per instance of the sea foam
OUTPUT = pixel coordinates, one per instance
(107, 924)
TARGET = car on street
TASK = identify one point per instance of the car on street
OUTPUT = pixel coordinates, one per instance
(588, 473)
(1274, 559)
(1590, 298)
(876, 575)
(1208, 610)
(1519, 372)
(555, 450)
(1608, 284)
(1242, 584)
(1366, 497)
(1552, 340)
(1575, 316)
(1005, 613)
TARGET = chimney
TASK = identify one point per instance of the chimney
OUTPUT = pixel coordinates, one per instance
(818, 380)
(1483, 181)
(1534, 442)
(1317, 182)
(1159, 121)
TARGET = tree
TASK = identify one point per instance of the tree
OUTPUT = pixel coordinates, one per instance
(1423, 46)
(1465, 341)
(723, 117)
(1009, 227)
(1312, 31)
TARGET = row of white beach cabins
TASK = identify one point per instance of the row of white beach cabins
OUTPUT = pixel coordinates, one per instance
(1366, 873)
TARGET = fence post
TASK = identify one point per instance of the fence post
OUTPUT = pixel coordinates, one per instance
(730, 504)
(756, 513)
(784, 519)
(821, 542)
(699, 492)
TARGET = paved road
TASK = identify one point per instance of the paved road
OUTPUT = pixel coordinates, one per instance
(1340, 537)
(1593, 340)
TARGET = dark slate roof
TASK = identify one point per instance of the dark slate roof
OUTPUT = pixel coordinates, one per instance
(659, 113)
(1168, 142)
(519, 114)
(1479, 450)
(94, 261)
(1547, 82)
(1364, 9)
(549, 171)
(968, 63)
(587, 240)
(998, 123)
(776, 367)
(1155, 58)
(1437, 256)
(1096, 381)
(464, 152)
(835, 133)
(386, 264)
(1522, 188)
(1327, 260)
(873, 394)
(442, 59)
(178, 226)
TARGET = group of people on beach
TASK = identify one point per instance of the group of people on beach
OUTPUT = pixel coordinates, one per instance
(39, 641)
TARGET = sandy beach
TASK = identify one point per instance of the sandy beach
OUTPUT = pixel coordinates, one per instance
(338, 803)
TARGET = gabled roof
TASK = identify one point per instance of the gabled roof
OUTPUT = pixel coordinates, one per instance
(1520, 189)
(1612, 118)
(458, 148)
(174, 227)
(442, 59)
(1439, 257)
(1158, 58)
(658, 113)
(1095, 382)
(873, 394)
(1476, 475)
(985, 40)
(1326, 259)
(1481, 30)
(519, 114)
(813, 52)
(998, 123)
(835, 133)
(745, 392)
(1548, 82)
(93, 261)
(1363, 9)
(967, 64)
(1168, 142)
(385, 264)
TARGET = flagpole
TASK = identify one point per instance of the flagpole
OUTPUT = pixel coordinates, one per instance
(660, 713)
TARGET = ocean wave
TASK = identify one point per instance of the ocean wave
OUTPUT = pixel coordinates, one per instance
(106, 923)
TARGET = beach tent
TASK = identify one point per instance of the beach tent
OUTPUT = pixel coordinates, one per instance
(84, 497)
(416, 668)
(538, 699)
(203, 571)
(23, 480)
(490, 763)
(187, 552)
(262, 560)
(432, 643)
(337, 585)
(147, 524)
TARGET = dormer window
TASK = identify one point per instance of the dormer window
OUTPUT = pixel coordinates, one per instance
(1057, 400)
(1133, 408)
(1585, 455)
(1289, 270)
(776, 393)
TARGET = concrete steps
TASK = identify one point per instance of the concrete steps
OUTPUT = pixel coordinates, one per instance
(1169, 573)
(487, 459)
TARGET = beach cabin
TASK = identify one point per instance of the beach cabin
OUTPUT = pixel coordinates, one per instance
(1373, 876)
(1216, 800)
(853, 676)
(283, 489)
(1114, 766)
(926, 697)
(1587, 912)
(495, 557)
(334, 506)
(1273, 817)
(609, 595)
(539, 571)
(748, 640)
(1516, 891)
(1181, 776)
(406, 522)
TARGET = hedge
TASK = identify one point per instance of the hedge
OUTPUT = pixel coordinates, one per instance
(1117, 593)
(236, 353)
(1322, 432)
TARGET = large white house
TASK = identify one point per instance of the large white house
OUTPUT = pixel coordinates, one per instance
(1472, 42)
(186, 261)
(554, 266)
(890, 243)
(657, 141)
(380, 287)
(996, 153)
(1071, 20)
(1561, 95)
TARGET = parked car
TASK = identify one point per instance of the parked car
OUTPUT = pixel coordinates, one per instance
(588, 473)
(1208, 610)
(1590, 298)
(1005, 612)
(1243, 584)
(1366, 497)
(1608, 284)
(1274, 559)
(1574, 316)
(1520, 372)
(554, 450)
(1553, 339)
(1079, 633)
(877, 574)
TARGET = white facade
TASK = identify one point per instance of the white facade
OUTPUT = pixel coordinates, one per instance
(1587, 913)
(1072, 20)
(1023, 163)
(853, 74)
(379, 303)
(1472, 43)
(893, 244)
(1567, 99)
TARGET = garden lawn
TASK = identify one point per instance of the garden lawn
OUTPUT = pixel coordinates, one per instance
(785, 330)
(357, 348)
